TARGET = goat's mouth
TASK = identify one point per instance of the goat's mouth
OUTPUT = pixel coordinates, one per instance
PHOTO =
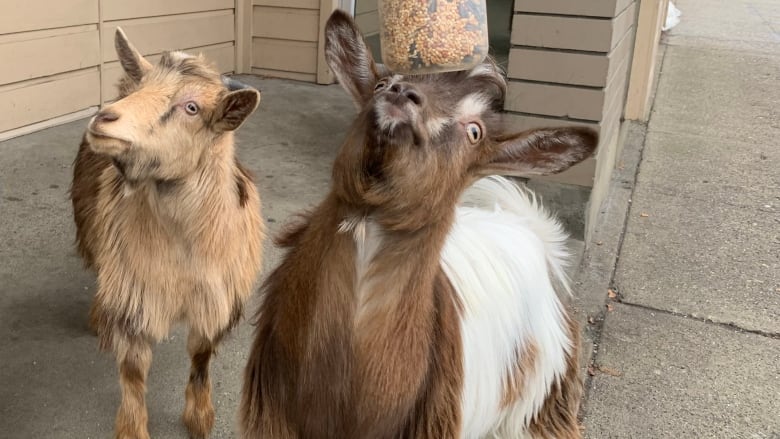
(102, 142)
(397, 125)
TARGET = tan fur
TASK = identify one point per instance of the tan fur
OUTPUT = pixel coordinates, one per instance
(516, 378)
(169, 220)
(351, 348)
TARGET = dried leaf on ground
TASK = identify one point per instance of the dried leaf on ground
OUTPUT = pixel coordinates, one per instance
(610, 371)
(591, 371)
(610, 308)
(644, 214)
(591, 320)
(599, 242)
(611, 293)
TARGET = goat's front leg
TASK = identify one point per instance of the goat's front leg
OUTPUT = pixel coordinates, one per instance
(134, 356)
(199, 411)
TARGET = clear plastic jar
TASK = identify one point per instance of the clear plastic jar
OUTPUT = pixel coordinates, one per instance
(430, 36)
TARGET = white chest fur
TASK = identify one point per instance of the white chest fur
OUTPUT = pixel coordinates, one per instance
(502, 257)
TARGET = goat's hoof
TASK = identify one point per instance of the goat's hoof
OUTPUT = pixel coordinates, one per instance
(199, 421)
(129, 434)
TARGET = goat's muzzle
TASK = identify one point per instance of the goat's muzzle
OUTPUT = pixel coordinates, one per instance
(100, 137)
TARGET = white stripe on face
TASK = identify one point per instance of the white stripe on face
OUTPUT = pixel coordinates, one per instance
(472, 105)
(435, 125)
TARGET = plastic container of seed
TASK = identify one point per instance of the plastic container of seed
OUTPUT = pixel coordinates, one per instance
(431, 36)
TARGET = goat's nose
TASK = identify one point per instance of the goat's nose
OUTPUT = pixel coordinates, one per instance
(407, 91)
(413, 96)
(106, 116)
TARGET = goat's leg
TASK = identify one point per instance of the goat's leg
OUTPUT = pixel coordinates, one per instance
(134, 356)
(199, 411)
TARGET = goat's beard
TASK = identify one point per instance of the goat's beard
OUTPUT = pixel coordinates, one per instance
(395, 125)
(397, 133)
(134, 167)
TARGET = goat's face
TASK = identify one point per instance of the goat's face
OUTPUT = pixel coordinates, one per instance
(419, 136)
(168, 114)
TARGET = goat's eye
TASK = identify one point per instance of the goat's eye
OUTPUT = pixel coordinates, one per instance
(474, 132)
(191, 108)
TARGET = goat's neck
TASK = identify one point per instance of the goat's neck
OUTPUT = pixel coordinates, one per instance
(395, 307)
(401, 268)
(202, 197)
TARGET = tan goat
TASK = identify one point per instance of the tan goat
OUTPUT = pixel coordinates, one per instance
(169, 219)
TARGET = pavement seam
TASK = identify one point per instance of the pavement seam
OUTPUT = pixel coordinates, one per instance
(672, 41)
(664, 190)
(726, 325)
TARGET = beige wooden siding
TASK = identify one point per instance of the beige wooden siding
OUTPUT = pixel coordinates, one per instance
(50, 56)
(286, 39)
(26, 15)
(367, 16)
(58, 56)
(568, 65)
(586, 8)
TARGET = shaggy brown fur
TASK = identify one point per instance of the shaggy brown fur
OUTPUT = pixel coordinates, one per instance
(355, 348)
(169, 220)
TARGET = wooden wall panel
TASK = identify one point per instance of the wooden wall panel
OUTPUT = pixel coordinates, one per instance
(287, 39)
(154, 35)
(48, 53)
(571, 32)
(27, 15)
(587, 8)
(367, 16)
(555, 100)
(368, 23)
(285, 55)
(303, 4)
(38, 100)
(123, 9)
(285, 23)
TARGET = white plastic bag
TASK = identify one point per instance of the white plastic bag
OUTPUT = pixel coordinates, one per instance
(672, 17)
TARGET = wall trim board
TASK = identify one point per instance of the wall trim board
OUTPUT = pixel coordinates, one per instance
(53, 122)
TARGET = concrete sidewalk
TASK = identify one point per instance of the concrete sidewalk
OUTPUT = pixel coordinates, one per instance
(690, 345)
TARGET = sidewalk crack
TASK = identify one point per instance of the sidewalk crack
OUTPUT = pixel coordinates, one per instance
(726, 325)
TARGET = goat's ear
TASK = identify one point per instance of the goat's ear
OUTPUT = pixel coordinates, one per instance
(539, 151)
(234, 108)
(349, 58)
(131, 59)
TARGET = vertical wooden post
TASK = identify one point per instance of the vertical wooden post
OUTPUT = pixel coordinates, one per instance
(652, 13)
(324, 75)
(102, 63)
(243, 14)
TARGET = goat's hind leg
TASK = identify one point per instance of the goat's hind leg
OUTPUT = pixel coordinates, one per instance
(134, 357)
(199, 411)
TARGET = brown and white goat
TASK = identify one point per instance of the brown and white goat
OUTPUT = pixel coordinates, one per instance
(169, 219)
(418, 300)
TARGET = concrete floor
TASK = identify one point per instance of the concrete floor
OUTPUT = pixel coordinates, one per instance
(691, 346)
(53, 381)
